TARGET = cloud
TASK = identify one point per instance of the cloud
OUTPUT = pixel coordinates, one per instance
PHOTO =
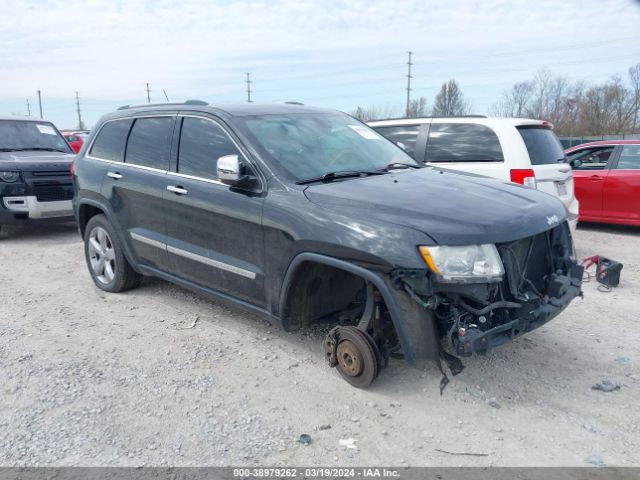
(108, 50)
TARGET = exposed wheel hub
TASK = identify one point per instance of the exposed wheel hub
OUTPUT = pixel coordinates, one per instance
(352, 352)
(349, 358)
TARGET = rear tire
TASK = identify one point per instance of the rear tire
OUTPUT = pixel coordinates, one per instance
(105, 258)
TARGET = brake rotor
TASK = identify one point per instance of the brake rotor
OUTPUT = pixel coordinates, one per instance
(355, 358)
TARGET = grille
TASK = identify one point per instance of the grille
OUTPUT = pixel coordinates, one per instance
(53, 193)
(536, 270)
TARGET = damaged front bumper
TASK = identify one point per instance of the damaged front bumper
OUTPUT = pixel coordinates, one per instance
(475, 340)
(541, 278)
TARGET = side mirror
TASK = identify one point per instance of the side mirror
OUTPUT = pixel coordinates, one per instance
(575, 163)
(228, 170)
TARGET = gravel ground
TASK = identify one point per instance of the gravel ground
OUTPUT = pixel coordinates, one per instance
(160, 376)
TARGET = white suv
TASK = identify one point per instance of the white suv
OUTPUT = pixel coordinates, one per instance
(511, 149)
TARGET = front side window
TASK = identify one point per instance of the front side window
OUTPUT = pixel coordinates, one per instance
(310, 145)
(629, 158)
(404, 136)
(595, 158)
(462, 142)
(202, 142)
(147, 145)
(111, 140)
(20, 135)
(542, 144)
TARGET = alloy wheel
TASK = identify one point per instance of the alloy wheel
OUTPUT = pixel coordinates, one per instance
(102, 255)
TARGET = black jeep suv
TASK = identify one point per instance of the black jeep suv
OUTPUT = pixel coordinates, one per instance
(308, 216)
(35, 181)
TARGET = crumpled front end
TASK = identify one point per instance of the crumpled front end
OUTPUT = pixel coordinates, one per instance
(541, 277)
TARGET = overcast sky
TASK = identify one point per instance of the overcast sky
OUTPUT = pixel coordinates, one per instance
(333, 53)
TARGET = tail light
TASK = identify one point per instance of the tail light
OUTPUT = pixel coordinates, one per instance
(524, 176)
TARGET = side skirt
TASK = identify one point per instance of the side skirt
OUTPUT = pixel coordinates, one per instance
(212, 294)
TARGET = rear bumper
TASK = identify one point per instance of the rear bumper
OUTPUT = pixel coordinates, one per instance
(20, 209)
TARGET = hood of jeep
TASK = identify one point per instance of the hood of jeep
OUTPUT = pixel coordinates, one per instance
(452, 208)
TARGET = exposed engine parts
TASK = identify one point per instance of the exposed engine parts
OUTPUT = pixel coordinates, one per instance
(443, 319)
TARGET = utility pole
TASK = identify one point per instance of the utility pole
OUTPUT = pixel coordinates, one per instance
(409, 77)
(249, 82)
(28, 108)
(80, 125)
(148, 94)
(40, 102)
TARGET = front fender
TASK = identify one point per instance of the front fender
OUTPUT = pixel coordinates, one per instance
(415, 327)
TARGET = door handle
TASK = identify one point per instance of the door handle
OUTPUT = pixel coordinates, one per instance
(114, 175)
(177, 190)
(596, 178)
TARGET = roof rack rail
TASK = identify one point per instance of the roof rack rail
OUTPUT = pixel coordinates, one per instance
(293, 103)
(428, 116)
(187, 102)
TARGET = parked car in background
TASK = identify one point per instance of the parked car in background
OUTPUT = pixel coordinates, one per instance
(35, 180)
(76, 140)
(607, 180)
(511, 149)
(307, 216)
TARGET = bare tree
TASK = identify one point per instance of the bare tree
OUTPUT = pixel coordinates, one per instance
(418, 108)
(515, 101)
(377, 112)
(549, 95)
(593, 113)
(634, 81)
(449, 101)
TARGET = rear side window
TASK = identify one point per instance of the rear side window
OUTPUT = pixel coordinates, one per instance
(111, 140)
(202, 142)
(462, 142)
(404, 135)
(629, 158)
(542, 144)
(147, 145)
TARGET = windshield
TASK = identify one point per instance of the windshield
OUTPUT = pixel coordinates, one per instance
(309, 146)
(18, 135)
(543, 145)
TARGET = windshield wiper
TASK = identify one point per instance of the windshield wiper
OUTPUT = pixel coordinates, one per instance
(45, 149)
(331, 176)
(39, 149)
(399, 165)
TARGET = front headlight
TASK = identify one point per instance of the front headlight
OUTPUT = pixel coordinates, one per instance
(9, 177)
(466, 264)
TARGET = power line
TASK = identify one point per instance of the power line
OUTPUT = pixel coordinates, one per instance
(165, 94)
(249, 82)
(409, 82)
(80, 125)
(148, 94)
(381, 67)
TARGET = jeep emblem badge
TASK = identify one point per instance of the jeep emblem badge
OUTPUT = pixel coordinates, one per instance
(552, 219)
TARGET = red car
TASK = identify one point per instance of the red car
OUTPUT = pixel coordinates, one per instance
(606, 176)
(75, 140)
